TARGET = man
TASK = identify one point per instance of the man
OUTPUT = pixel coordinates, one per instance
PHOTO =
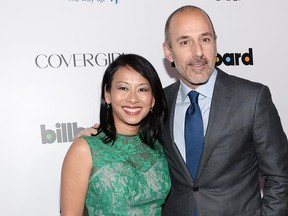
(242, 131)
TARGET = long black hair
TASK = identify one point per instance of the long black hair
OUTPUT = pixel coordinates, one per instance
(151, 126)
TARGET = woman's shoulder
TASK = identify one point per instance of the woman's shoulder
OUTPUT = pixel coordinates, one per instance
(78, 153)
(98, 136)
(79, 145)
(158, 145)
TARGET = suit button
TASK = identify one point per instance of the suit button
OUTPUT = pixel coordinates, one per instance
(195, 188)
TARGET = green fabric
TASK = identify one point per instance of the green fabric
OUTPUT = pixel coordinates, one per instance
(128, 178)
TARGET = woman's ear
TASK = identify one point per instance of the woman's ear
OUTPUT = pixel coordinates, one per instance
(153, 102)
(107, 96)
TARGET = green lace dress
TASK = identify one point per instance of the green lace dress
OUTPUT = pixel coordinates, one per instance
(128, 178)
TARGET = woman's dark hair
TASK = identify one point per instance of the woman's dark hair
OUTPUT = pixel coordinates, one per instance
(151, 126)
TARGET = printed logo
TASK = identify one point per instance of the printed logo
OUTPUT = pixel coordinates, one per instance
(95, 1)
(75, 60)
(234, 59)
(229, 0)
(64, 132)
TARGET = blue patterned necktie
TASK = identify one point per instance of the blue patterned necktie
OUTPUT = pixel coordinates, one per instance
(194, 134)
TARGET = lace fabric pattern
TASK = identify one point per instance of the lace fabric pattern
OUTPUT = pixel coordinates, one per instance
(128, 178)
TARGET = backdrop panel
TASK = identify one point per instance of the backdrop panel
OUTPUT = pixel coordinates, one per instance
(53, 54)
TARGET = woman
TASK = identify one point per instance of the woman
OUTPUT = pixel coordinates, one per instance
(122, 170)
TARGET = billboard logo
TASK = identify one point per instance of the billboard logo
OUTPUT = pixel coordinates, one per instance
(64, 132)
(234, 59)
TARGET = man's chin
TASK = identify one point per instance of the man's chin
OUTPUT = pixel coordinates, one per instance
(198, 82)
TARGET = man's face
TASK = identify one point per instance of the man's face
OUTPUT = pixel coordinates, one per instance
(192, 47)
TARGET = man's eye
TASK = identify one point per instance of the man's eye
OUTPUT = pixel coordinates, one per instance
(184, 42)
(206, 40)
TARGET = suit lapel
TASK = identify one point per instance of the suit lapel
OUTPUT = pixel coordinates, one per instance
(172, 150)
(220, 106)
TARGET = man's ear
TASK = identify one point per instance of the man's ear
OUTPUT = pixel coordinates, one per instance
(167, 52)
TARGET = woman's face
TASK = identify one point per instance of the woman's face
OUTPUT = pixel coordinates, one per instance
(131, 99)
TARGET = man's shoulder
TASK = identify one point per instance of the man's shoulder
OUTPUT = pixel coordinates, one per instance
(236, 80)
(172, 87)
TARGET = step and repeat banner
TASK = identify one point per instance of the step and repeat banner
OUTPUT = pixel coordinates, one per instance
(52, 57)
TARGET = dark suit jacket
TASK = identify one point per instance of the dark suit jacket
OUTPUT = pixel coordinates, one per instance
(244, 138)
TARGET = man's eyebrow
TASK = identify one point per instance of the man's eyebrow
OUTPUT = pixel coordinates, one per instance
(182, 37)
(207, 34)
(202, 35)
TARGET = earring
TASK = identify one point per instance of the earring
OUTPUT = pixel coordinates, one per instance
(107, 105)
(151, 109)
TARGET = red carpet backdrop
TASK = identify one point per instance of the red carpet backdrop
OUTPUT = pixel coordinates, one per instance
(52, 57)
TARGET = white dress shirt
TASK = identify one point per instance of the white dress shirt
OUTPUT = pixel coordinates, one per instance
(182, 103)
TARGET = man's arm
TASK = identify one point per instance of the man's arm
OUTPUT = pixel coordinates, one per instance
(272, 151)
(88, 131)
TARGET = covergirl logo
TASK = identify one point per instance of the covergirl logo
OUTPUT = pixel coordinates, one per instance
(58, 60)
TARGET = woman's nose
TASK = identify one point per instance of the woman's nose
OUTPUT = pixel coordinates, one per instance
(132, 97)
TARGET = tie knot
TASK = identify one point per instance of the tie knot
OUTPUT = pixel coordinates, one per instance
(193, 95)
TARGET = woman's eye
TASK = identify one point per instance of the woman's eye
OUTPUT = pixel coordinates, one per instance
(143, 90)
(122, 88)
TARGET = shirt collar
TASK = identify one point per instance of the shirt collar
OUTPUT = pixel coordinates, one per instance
(205, 89)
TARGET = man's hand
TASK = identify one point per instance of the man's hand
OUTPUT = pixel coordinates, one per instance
(88, 131)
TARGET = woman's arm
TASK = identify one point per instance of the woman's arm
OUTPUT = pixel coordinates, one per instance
(75, 174)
